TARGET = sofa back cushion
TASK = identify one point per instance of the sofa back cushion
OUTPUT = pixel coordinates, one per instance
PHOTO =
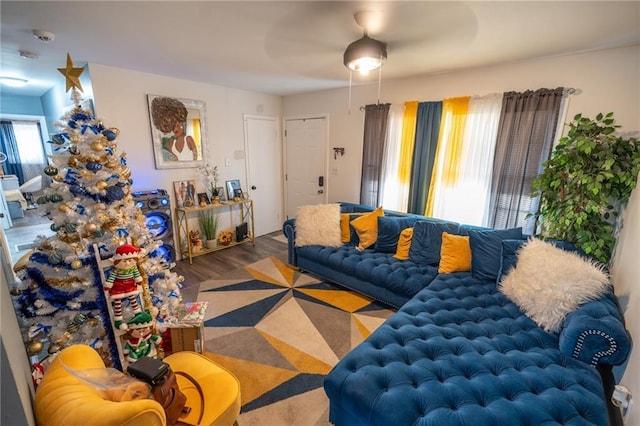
(389, 229)
(486, 251)
(427, 240)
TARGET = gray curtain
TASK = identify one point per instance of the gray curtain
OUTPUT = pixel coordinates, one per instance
(424, 154)
(526, 132)
(375, 130)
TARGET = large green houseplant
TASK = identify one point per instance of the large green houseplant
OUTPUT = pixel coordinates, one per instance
(586, 184)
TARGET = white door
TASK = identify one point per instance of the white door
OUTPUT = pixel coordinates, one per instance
(306, 162)
(264, 172)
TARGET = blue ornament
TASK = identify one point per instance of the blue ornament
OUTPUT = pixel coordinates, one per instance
(71, 227)
(58, 139)
(55, 198)
(42, 200)
(50, 170)
(54, 227)
(74, 150)
(110, 134)
(115, 193)
(55, 258)
(93, 166)
(98, 233)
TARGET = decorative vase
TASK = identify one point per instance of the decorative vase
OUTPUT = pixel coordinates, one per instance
(211, 243)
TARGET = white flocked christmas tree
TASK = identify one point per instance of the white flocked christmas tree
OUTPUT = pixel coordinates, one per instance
(60, 299)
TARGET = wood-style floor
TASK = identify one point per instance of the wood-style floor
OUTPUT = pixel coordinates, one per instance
(218, 263)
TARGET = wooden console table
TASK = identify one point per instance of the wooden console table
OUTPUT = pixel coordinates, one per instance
(243, 208)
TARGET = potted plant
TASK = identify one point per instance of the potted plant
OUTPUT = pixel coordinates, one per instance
(210, 175)
(208, 221)
(586, 185)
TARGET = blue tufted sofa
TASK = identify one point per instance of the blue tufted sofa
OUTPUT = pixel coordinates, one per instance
(459, 352)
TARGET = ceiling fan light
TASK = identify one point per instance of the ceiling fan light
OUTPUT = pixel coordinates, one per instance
(365, 54)
(13, 81)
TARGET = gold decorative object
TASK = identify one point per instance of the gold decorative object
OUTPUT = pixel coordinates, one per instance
(71, 74)
(34, 347)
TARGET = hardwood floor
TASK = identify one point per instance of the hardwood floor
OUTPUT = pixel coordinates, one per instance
(218, 263)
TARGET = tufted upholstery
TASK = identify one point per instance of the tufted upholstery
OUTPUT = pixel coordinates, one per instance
(458, 353)
(394, 281)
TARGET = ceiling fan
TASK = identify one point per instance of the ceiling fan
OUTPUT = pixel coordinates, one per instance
(366, 53)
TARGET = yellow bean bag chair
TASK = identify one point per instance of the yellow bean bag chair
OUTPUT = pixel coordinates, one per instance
(62, 399)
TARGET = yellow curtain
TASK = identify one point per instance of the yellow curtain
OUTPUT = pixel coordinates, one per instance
(448, 152)
(408, 141)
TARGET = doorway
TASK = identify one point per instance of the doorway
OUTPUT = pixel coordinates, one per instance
(264, 171)
(306, 162)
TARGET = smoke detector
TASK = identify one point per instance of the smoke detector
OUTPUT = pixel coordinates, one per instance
(44, 36)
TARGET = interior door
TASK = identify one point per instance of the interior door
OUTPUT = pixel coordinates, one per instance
(306, 162)
(264, 171)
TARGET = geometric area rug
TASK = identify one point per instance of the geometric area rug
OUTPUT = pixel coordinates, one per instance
(280, 331)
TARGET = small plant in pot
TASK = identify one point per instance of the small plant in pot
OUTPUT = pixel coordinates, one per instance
(208, 221)
(586, 185)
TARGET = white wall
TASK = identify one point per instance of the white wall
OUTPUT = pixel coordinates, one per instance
(608, 81)
(121, 101)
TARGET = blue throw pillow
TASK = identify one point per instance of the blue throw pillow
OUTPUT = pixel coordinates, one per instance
(486, 251)
(509, 256)
(389, 229)
(427, 240)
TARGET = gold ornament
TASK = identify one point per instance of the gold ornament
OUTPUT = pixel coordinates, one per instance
(34, 347)
(71, 74)
(57, 178)
(76, 264)
(64, 208)
(102, 185)
(33, 286)
(93, 322)
(15, 291)
(73, 162)
(90, 227)
(97, 145)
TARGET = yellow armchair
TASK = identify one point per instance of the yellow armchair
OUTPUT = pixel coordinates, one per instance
(63, 399)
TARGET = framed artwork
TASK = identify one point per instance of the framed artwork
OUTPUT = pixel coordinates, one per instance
(232, 186)
(185, 191)
(203, 198)
(221, 193)
(178, 131)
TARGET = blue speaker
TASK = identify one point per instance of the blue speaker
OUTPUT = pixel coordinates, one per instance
(155, 204)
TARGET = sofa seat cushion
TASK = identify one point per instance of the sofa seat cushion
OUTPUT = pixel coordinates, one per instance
(460, 350)
(379, 269)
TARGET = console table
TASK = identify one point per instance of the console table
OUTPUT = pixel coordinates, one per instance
(242, 208)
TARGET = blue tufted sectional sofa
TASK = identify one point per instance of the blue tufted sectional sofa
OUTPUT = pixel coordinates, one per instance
(459, 352)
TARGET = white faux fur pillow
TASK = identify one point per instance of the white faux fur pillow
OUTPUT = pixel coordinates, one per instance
(318, 225)
(548, 283)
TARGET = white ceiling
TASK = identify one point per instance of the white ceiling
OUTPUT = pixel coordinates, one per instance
(289, 47)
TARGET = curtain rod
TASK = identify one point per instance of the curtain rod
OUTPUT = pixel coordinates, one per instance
(567, 90)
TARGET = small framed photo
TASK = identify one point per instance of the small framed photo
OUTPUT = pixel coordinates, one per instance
(232, 186)
(237, 193)
(185, 192)
(203, 198)
(221, 193)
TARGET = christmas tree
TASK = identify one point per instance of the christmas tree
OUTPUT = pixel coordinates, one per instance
(62, 298)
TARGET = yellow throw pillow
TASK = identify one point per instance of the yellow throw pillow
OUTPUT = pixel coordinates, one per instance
(345, 229)
(366, 227)
(404, 244)
(455, 254)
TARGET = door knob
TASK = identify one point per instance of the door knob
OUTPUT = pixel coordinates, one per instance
(253, 187)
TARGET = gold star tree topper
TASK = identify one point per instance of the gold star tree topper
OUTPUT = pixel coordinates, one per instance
(72, 74)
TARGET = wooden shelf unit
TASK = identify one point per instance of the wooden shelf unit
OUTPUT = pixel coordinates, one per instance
(243, 207)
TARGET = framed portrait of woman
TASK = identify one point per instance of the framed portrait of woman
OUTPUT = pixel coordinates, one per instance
(178, 131)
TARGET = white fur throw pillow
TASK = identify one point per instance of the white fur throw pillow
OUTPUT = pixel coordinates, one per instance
(548, 283)
(318, 225)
